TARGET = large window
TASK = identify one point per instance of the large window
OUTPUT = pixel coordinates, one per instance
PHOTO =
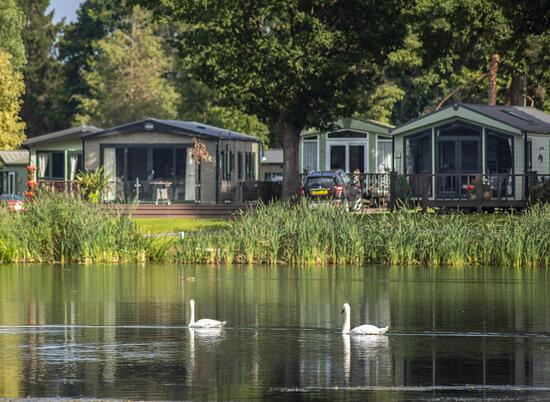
(250, 171)
(51, 165)
(418, 150)
(383, 156)
(309, 155)
(159, 173)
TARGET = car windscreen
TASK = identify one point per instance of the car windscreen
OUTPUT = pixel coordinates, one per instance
(321, 181)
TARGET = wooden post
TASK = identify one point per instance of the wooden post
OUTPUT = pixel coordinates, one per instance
(478, 188)
(393, 190)
(424, 191)
(530, 183)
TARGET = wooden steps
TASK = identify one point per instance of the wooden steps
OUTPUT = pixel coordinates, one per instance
(195, 211)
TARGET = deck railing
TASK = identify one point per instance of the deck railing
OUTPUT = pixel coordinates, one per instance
(468, 190)
(59, 186)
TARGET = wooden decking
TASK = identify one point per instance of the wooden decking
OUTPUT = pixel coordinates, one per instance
(196, 211)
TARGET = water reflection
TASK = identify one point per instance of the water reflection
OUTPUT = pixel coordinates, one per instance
(121, 332)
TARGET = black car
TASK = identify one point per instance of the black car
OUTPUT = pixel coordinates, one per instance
(334, 187)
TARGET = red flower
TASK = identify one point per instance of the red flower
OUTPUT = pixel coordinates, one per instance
(31, 169)
(31, 184)
(470, 187)
(29, 194)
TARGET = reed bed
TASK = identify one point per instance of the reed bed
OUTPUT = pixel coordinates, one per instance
(304, 235)
(61, 228)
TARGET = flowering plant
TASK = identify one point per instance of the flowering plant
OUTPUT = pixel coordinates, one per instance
(199, 152)
(31, 169)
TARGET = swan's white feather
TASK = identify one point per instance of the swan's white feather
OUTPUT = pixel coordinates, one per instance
(207, 323)
(368, 330)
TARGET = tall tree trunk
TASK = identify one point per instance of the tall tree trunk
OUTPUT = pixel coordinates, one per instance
(493, 70)
(519, 89)
(290, 138)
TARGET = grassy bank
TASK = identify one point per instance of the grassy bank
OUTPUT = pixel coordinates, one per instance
(59, 228)
(174, 225)
(304, 235)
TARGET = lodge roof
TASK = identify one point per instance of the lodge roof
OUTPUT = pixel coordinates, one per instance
(72, 133)
(177, 127)
(20, 157)
(525, 119)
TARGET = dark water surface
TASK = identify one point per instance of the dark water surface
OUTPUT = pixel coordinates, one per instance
(119, 332)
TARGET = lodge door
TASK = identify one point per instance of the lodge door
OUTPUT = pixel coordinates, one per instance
(459, 160)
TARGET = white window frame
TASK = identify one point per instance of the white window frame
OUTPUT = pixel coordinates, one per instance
(347, 143)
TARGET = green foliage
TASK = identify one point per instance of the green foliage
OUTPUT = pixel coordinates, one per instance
(11, 27)
(93, 183)
(299, 235)
(78, 47)
(11, 89)
(127, 79)
(43, 71)
(61, 228)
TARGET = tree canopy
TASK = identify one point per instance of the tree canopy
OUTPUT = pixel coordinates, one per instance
(126, 80)
(11, 89)
(11, 27)
(42, 71)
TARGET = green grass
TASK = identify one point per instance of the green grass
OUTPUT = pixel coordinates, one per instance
(173, 225)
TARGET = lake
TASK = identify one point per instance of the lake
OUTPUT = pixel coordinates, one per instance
(119, 332)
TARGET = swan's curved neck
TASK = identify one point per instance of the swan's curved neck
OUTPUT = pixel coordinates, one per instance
(345, 328)
(192, 319)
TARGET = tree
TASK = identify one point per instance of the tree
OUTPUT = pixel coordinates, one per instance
(292, 63)
(42, 72)
(11, 25)
(199, 103)
(11, 89)
(126, 80)
(78, 48)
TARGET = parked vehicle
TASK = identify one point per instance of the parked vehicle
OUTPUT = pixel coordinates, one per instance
(333, 186)
(12, 202)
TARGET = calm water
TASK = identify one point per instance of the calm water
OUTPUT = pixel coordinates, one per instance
(118, 332)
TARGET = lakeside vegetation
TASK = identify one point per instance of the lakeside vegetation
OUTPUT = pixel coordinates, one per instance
(61, 228)
(302, 235)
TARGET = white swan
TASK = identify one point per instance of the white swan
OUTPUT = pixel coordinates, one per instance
(205, 322)
(362, 329)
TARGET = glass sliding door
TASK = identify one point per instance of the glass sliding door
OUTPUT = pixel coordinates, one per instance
(500, 164)
(347, 156)
(337, 157)
(447, 180)
(137, 174)
(418, 163)
(160, 174)
(459, 159)
(356, 158)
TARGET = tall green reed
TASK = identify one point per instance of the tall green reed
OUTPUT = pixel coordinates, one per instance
(307, 235)
(61, 228)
